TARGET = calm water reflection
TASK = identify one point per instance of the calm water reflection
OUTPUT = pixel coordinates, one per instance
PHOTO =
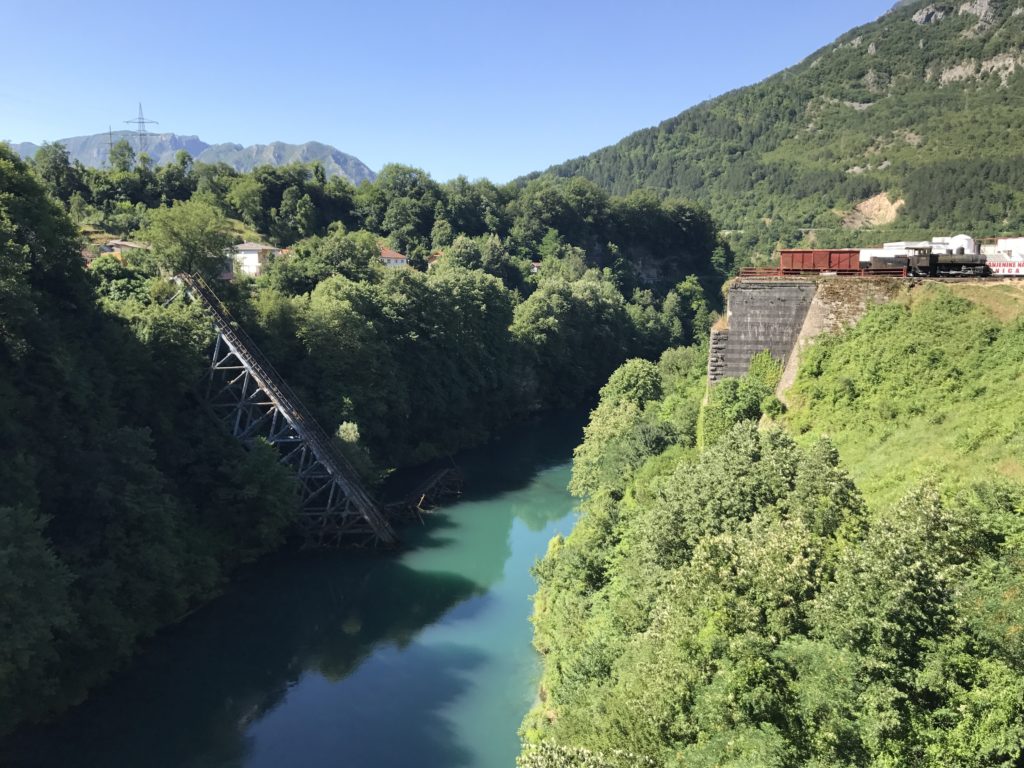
(346, 659)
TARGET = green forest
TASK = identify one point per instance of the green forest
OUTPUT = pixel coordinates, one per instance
(827, 580)
(421, 362)
(836, 583)
(923, 107)
(123, 506)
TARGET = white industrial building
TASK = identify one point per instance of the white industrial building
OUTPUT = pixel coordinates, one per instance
(957, 244)
(1004, 255)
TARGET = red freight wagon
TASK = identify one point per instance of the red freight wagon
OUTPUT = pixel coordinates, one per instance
(819, 260)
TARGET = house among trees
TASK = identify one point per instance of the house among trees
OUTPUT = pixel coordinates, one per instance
(252, 258)
(392, 258)
(120, 248)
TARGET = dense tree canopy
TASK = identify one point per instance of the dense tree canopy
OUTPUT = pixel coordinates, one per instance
(190, 236)
(119, 506)
(740, 603)
(123, 507)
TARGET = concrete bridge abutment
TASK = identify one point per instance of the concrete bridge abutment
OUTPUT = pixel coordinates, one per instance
(783, 316)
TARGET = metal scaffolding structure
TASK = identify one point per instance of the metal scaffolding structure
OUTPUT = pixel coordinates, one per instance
(245, 392)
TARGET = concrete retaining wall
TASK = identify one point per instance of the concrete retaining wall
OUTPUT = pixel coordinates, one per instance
(784, 316)
(761, 316)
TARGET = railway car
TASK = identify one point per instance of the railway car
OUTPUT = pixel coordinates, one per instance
(888, 262)
(819, 260)
(914, 261)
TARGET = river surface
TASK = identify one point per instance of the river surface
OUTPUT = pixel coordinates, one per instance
(421, 658)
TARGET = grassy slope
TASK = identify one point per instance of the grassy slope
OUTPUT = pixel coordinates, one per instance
(640, 654)
(239, 229)
(927, 387)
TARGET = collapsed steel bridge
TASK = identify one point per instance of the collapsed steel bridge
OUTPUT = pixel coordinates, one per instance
(253, 400)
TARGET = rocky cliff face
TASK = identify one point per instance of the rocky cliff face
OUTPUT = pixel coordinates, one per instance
(335, 162)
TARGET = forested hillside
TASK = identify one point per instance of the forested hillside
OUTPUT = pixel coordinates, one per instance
(923, 105)
(123, 506)
(645, 241)
(524, 278)
(120, 506)
(736, 595)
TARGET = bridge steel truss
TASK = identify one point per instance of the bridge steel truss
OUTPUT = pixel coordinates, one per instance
(245, 392)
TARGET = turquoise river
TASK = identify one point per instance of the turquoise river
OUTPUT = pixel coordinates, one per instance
(416, 658)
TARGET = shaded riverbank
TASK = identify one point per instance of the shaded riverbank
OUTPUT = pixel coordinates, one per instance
(350, 658)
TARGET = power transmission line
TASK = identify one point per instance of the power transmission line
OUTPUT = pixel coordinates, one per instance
(140, 124)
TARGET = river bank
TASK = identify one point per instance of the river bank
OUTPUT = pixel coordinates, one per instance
(418, 657)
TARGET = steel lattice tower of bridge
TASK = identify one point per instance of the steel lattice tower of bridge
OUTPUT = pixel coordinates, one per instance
(245, 392)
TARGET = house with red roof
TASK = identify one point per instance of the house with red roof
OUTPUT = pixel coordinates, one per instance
(392, 258)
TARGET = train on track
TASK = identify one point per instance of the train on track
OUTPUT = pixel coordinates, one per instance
(917, 262)
(958, 256)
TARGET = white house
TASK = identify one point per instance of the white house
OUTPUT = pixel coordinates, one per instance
(252, 258)
(394, 259)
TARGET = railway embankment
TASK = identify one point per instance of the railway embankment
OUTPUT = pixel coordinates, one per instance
(783, 316)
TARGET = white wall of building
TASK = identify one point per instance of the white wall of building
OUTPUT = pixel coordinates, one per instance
(1006, 256)
(252, 259)
(940, 245)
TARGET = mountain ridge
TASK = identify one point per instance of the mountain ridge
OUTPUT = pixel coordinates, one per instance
(91, 151)
(928, 91)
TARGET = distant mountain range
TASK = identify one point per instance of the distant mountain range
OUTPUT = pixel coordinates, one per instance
(162, 147)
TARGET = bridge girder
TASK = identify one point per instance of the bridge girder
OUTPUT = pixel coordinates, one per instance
(253, 402)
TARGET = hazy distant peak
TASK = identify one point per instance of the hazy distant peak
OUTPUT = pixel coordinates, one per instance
(162, 147)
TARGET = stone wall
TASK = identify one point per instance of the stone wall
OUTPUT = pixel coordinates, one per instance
(784, 316)
(761, 316)
(716, 354)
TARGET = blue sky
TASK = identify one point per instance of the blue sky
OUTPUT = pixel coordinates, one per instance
(455, 87)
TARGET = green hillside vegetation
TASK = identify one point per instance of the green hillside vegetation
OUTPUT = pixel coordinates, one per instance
(123, 506)
(730, 596)
(923, 104)
(120, 507)
(918, 389)
(617, 276)
(645, 241)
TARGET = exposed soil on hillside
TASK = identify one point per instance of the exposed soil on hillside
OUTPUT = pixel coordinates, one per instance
(874, 211)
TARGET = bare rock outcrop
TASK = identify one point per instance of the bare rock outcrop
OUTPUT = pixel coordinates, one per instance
(931, 14)
(874, 211)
